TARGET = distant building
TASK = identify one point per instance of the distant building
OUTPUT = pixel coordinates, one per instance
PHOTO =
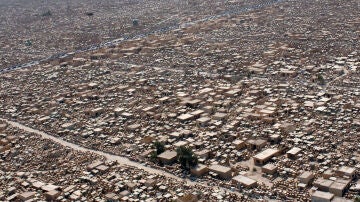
(256, 144)
(269, 169)
(241, 180)
(293, 153)
(239, 144)
(306, 177)
(323, 184)
(346, 171)
(199, 170)
(168, 157)
(320, 196)
(223, 171)
(264, 156)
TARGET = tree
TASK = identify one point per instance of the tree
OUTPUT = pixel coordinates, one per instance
(28, 43)
(46, 14)
(153, 157)
(89, 14)
(186, 157)
(357, 199)
(321, 79)
(159, 146)
(135, 22)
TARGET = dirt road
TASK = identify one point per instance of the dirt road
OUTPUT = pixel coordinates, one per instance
(121, 160)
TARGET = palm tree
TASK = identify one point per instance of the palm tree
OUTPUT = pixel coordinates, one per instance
(186, 157)
(321, 79)
(159, 146)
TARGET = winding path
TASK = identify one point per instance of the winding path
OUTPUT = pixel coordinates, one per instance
(121, 160)
(111, 157)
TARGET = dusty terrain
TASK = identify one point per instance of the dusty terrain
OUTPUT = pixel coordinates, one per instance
(263, 93)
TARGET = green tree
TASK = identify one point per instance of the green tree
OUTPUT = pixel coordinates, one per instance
(186, 157)
(28, 43)
(153, 157)
(46, 14)
(321, 79)
(159, 146)
(357, 199)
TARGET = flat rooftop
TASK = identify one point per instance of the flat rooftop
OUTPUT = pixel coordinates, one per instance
(266, 154)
